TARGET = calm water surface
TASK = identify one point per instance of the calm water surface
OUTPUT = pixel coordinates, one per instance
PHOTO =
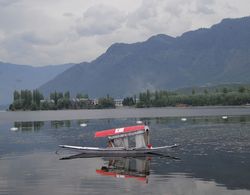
(214, 158)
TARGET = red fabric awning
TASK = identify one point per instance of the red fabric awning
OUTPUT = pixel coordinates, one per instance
(110, 132)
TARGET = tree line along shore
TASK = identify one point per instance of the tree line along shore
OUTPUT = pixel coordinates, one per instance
(35, 100)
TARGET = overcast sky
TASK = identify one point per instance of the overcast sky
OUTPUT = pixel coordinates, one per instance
(43, 32)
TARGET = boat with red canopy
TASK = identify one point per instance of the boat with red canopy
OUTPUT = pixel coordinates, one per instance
(123, 141)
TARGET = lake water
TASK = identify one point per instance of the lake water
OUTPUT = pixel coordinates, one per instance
(214, 158)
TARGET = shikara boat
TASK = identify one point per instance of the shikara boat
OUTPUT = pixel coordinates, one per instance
(132, 140)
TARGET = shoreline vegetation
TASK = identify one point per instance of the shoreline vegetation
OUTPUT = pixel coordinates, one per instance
(35, 100)
(223, 97)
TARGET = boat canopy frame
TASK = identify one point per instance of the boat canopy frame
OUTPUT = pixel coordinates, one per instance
(119, 137)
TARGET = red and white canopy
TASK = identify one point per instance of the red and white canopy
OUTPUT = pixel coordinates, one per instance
(123, 130)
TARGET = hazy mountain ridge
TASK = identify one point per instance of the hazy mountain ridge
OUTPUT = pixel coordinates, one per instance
(16, 77)
(220, 54)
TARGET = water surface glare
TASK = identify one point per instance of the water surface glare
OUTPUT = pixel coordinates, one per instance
(214, 158)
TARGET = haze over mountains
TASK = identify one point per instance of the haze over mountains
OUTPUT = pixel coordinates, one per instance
(220, 54)
(17, 77)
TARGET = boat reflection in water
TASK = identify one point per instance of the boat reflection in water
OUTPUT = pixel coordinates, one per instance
(121, 166)
(136, 168)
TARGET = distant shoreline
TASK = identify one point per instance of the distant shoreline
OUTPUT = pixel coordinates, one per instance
(10, 116)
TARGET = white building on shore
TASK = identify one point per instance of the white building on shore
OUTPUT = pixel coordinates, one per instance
(118, 102)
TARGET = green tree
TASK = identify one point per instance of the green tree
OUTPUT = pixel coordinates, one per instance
(16, 95)
(82, 96)
(242, 89)
(33, 106)
(37, 97)
(225, 90)
(67, 95)
(128, 101)
(54, 96)
(45, 105)
(107, 102)
(26, 99)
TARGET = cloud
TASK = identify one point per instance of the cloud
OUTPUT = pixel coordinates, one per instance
(68, 14)
(7, 2)
(2, 36)
(158, 16)
(48, 32)
(35, 39)
(99, 20)
(204, 6)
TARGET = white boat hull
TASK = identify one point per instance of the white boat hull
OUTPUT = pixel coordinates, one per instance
(116, 151)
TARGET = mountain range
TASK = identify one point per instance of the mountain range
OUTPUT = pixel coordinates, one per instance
(216, 55)
(17, 77)
(203, 57)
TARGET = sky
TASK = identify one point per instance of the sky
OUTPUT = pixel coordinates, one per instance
(46, 32)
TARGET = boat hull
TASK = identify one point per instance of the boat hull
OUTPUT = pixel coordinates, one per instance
(116, 151)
